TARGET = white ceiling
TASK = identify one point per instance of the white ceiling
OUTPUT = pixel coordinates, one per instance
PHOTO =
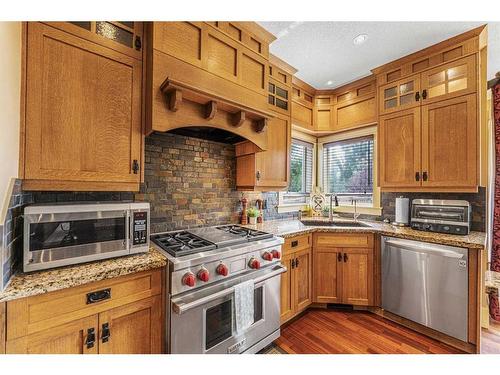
(324, 51)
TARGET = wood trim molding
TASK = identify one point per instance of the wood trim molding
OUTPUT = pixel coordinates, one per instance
(283, 65)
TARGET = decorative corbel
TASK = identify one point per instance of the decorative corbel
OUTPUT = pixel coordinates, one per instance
(174, 100)
(210, 110)
(260, 125)
(238, 118)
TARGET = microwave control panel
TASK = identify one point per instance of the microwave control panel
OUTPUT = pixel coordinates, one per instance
(139, 228)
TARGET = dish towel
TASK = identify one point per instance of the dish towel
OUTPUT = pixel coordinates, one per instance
(243, 305)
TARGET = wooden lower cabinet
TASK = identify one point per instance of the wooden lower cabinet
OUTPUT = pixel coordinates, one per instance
(133, 329)
(343, 274)
(71, 338)
(296, 283)
(63, 322)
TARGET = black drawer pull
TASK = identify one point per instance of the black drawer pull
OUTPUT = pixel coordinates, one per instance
(296, 262)
(106, 332)
(90, 338)
(424, 94)
(339, 257)
(417, 96)
(345, 257)
(417, 176)
(98, 296)
(424, 176)
(295, 243)
(293, 264)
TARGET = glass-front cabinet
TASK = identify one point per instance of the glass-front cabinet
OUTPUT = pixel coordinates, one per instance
(400, 95)
(450, 80)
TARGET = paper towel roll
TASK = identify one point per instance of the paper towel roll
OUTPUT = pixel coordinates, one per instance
(402, 210)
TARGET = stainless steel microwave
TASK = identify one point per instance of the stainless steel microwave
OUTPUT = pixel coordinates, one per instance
(64, 234)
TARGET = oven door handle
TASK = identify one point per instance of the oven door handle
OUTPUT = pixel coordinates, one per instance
(181, 307)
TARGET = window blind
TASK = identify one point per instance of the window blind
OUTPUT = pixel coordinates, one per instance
(348, 170)
(301, 167)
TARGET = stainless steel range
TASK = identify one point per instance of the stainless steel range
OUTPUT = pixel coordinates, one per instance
(206, 268)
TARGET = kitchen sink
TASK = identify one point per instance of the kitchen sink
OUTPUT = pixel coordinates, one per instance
(343, 224)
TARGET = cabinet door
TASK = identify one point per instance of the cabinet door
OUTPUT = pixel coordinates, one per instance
(357, 276)
(273, 164)
(399, 95)
(135, 328)
(302, 279)
(449, 143)
(327, 275)
(449, 80)
(399, 149)
(287, 305)
(71, 338)
(83, 113)
(324, 118)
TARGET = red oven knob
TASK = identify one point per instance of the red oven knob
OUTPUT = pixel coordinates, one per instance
(222, 270)
(254, 263)
(203, 275)
(188, 279)
(266, 255)
(276, 254)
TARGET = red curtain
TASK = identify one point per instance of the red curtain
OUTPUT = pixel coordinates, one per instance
(495, 251)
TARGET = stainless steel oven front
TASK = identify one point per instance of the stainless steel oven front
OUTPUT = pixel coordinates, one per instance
(204, 321)
(64, 234)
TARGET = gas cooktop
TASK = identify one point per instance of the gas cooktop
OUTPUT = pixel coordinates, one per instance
(185, 242)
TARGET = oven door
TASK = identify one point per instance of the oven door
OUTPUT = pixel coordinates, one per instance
(59, 239)
(204, 321)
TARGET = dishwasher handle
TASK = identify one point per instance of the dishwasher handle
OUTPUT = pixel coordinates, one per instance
(429, 248)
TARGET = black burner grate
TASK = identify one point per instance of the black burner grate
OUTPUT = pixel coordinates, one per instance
(182, 243)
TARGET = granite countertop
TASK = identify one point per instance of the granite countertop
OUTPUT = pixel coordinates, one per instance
(33, 283)
(290, 228)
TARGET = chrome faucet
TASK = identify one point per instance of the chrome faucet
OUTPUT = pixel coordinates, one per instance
(330, 213)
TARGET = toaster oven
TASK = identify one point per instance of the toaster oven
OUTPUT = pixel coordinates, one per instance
(443, 216)
(64, 234)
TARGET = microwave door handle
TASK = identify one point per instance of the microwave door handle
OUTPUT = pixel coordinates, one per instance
(128, 224)
(429, 249)
(439, 214)
(182, 307)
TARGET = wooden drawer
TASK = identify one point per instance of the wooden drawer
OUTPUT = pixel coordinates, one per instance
(296, 243)
(336, 240)
(33, 314)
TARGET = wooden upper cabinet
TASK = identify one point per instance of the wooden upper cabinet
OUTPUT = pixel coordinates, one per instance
(83, 128)
(399, 149)
(449, 143)
(400, 95)
(270, 169)
(302, 104)
(450, 80)
(77, 337)
(132, 329)
(357, 276)
(122, 36)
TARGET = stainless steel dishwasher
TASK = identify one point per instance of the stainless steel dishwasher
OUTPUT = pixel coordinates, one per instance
(426, 283)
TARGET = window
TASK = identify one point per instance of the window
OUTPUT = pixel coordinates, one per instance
(348, 170)
(301, 172)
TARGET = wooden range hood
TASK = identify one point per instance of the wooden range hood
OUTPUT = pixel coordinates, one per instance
(187, 105)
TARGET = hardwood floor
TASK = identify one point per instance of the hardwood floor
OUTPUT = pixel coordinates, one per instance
(490, 339)
(322, 331)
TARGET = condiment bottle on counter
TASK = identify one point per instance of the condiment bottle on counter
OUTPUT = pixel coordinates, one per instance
(260, 204)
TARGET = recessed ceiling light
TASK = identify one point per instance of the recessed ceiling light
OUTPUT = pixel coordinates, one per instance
(360, 39)
(329, 83)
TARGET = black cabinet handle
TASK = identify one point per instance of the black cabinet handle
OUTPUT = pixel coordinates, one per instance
(138, 43)
(90, 338)
(345, 258)
(293, 264)
(98, 296)
(417, 96)
(106, 332)
(294, 243)
(424, 94)
(135, 166)
(339, 257)
(297, 262)
(417, 176)
(258, 175)
(424, 176)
